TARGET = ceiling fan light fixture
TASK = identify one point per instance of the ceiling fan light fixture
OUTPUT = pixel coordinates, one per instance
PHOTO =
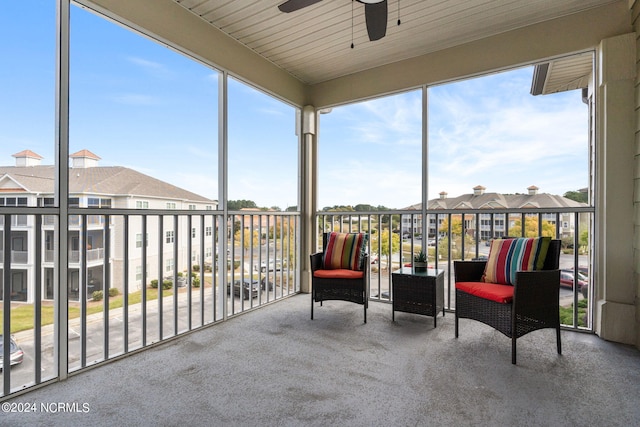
(370, 1)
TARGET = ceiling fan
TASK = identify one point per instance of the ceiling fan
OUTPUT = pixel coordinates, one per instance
(375, 13)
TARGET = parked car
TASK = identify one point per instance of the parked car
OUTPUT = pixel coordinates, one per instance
(273, 265)
(16, 355)
(567, 279)
(584, 270)
(250, 287)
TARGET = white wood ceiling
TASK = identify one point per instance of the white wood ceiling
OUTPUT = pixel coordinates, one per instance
(314, 44)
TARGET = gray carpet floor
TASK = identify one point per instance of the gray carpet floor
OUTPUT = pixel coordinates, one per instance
(276, 367)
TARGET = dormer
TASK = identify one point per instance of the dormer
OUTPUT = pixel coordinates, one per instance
(478, 190)
(27, 158)
(84, 159)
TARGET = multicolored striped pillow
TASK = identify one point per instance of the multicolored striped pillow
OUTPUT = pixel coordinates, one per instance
(344, 250)
(508, 256)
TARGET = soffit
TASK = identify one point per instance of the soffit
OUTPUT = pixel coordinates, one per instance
(314, 44)
(568, 73)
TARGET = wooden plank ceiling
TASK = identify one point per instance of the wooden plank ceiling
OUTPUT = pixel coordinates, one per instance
(314, 44)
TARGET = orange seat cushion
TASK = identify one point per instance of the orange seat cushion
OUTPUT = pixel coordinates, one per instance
(491, 291)
(339, 273)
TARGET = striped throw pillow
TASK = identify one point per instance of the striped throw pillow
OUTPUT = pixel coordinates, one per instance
(508, 256)
(345, 250)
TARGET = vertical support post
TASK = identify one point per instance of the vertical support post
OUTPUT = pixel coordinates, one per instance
(61, 315)
(223, 187)
(308, 196)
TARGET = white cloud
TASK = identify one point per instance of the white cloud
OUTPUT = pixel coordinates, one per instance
(487, 131)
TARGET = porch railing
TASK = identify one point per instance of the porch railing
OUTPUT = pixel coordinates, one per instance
(446, 235)
(157, 274)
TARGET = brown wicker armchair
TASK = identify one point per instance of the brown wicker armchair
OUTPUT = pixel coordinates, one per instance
(339, 284)
(535, 304)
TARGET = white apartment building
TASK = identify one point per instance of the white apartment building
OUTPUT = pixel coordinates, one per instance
(493, 223)
(94, 240)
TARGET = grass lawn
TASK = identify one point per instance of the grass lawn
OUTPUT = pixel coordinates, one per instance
(22, 315)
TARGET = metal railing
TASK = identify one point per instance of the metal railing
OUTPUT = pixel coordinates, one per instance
(447, 235)
(157, 274)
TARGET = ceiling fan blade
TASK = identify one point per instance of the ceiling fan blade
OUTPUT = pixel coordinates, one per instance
(376, 16)
(293, 5)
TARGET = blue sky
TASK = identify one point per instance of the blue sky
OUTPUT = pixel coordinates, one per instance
(137, 103)
(483, 131)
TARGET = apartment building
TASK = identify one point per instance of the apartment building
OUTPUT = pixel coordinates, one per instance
(93, 237)
(493, 223)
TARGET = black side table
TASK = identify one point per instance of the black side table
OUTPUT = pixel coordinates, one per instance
(418, 291)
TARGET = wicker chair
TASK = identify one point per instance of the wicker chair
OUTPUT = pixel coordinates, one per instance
(535, 304)
(339, 284)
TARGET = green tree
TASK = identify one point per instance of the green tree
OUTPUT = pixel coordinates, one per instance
(383, 239)
(236, 205)
(584, 238)
(578, 196)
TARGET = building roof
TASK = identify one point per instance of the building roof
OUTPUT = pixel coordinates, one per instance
(500, 201)
(28, 153)
(84, 153)
(112, 180)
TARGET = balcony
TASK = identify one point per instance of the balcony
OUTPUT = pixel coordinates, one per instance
(275, 366)
(188, 249)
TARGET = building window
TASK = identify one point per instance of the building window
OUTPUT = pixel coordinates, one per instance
(142, 204)
(139, 240)
(192, 207)
(193, 233)
(13, 201)
(207, 252)
(95, 202)
(44, 202)
(171, 205)
(207, 231)
(168, 265)
(169, 236)
(209, 208)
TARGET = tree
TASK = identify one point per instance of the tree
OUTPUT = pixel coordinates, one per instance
(531, 228)
(249, 240)
(383, 238)
(456, 225)
(236, 205)
(578, 196)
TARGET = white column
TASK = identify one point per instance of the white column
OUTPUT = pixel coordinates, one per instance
(615, 313)
(308, 190)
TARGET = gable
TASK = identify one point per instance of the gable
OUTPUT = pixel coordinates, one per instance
(8, 184)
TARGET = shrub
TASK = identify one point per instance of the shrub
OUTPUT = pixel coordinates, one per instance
(566, 314)
(195, 267)
(97, 296)
(113, 292)
(166, 284)
(195, 282)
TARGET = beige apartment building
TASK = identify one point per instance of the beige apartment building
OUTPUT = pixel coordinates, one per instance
(31, 183)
